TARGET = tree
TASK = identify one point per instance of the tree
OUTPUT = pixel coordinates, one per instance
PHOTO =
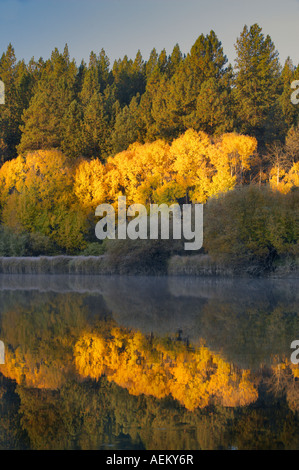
(89, 184)
(95, 128)
(213, 113)
(43, 120)
(278, 159)
(105, 75)
(18, 89)
(73, 136)
(292, 144)
(178, 98)
(37, 196)
(128, 127)
(95, 120)
(129, 78)
(289, 111)
(257, 85)
(191, 166)
(174, 60)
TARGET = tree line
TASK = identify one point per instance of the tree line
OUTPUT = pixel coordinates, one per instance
(98, 110)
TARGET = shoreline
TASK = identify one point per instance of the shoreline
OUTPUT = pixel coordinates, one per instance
(177, 265)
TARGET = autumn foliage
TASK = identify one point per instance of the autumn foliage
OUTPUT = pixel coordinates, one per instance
(54, 198)
(196, 378)
(47, 193)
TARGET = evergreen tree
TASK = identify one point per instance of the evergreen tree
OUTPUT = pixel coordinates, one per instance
(122, 78)
(129, 78)
(95, 122)
(178, 102)
(18, 90)
(96, 128)
(128, 127)
(73, 137)
(206, 60)
(257, 85)
(80, 78)
(44, 118)
(174, 60)
(213, 113)
(289, 111)
(151, 64)
(105, 76)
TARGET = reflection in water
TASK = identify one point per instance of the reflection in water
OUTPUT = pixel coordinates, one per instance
(150, 366)
(124, 362)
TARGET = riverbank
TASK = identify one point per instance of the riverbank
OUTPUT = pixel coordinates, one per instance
(177, 265)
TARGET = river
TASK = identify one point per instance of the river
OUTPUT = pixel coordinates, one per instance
(156, 363)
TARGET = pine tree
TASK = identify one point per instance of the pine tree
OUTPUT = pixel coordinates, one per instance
(289, 111)
(44, 118)
(128, 127)
(151, 64)
(206, 60)
(73, 137)
(174, 60)
(178, 102)
(105, 76)
(213, 113)
(122, 71)
(96, 128)
(95, 122)
(18, 90)
(257, 85)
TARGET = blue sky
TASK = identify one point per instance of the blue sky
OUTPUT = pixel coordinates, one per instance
(36, 27)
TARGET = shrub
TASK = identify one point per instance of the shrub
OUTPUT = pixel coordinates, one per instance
(94, 249)
(12, 244)
(252, 224)
(39, 244)
(140, 256)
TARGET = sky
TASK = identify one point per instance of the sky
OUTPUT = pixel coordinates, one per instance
(121, 27)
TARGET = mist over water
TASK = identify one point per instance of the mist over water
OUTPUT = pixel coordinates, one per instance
(60, 332)
(247, 320)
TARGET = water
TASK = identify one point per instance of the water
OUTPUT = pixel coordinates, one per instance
(116, 362)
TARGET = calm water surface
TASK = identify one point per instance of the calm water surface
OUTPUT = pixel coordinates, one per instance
(179, 363)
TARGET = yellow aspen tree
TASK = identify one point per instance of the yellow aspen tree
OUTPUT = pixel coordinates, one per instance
(191, 163)
(89, 183)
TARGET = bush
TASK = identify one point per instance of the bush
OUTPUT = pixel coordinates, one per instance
(141, 256)
(11, 243)
(252, 224)
(94, 249)
(39, 245)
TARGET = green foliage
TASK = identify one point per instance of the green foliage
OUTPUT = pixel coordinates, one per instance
(257, 85)
(19, 82)
(44, 119)
(128, 127)
(252, 224)
(141, 256)
(12, 244)
(25, 244)
(95, 110)
(94, 249)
